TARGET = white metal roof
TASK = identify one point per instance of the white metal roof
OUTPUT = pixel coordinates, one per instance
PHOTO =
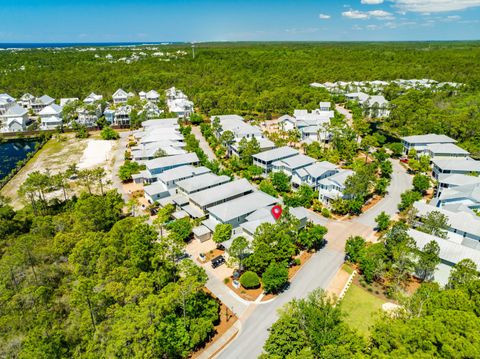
(429, 138)
(276, 154)
(221, 192)
(242, 206)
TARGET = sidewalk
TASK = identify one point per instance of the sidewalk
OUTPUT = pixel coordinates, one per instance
(203, 143)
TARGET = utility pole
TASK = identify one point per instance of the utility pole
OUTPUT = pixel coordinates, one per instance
(193, 50)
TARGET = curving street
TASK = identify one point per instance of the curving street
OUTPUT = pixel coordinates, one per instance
(317, 272)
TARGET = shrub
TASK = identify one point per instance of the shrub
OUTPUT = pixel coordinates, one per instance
(109, 134)
(275, 277)
(325, 212)
(249, 280)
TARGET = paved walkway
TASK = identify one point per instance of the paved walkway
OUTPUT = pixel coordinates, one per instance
(203, 143)
(118, 160)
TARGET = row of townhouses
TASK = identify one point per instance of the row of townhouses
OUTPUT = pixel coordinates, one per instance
(457, 197)
(177, 179)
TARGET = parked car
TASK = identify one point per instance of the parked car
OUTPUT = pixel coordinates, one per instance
(404, 159)
(217, 261)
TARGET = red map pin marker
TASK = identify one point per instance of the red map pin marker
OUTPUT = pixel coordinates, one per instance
(276, 211)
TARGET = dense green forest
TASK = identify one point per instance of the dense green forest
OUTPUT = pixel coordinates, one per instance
(78, 280)
(268, 79)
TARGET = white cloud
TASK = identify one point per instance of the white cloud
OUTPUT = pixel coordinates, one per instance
(372, 2)
(355, 14)
(363, 15)
(425, 6)
(324, 16)
(453, 17)
(308, 30)
(373, 27)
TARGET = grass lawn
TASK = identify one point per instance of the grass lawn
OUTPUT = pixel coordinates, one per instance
(361, 308)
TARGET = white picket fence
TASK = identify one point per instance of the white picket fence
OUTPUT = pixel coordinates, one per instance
(346, 286)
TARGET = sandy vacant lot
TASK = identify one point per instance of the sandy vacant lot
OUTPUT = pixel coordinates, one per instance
(59, 153)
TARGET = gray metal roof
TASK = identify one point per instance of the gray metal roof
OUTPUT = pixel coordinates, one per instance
(221, 192)
(201, 230)
(462, 221)
(464, 165)
(449, 251)
(458, 179)
(197, 183)
(15, 111)
(242, 206)
(155, 188)
(295, 162)
(429, 138)
(446, 148)
(318, 169)
(162, 162)
(182, 172)
(276, 154)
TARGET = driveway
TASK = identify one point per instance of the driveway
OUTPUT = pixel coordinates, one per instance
(401, 182)
(317, 273)
(203, 143)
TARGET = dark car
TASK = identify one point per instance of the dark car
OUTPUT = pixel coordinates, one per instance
(218, 261)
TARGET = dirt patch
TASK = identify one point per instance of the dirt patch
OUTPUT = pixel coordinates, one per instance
(56, 156)
(338, 282)
(227, 319)
(247, 294)
(373, 201)
(213, 253)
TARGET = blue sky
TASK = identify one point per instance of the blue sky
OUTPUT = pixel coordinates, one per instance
(241, 20)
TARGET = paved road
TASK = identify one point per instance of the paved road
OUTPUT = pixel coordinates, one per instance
(401, 181)
(203, 143)
(318, 272)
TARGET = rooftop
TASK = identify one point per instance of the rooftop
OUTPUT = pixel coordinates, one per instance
(242, 206)
(429, 138)
(276, 154)
(221, 192)
(458, 165)
(446, 148)
(449, 251)
(295, 162)
(187, 158)
(181, 172)
(197, 183)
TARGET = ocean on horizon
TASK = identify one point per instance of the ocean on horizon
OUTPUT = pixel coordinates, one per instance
(49, 45)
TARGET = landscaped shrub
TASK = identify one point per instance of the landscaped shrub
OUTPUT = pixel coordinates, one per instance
(250, 280)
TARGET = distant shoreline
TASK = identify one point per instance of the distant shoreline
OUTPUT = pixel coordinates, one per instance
(50, 45)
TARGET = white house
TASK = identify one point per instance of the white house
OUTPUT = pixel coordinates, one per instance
(66, 101)
(455, 166)
(419, 143)
(460, 198)
(450, 254)
(332, 187)
(377, 106)
(445, 151)
(92, 98)
(312, 175)
(181, 107)
(41, 102)
(120, 97)
(266, 159)
(26, 101)
(463, 227)
(88, 116)
(119, 116)
(152, 96)
(51, 117)
(15, 119)
(6, 101)
(291, 164)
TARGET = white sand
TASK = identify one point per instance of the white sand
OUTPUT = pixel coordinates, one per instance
(97, 153)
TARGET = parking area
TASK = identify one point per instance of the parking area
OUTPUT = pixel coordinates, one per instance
(195, 248)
